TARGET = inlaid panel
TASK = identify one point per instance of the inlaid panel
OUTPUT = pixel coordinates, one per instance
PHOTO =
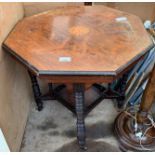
(82, 40)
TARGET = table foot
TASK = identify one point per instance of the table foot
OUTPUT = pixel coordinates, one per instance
(84, 148)
(79, 101)
(133, 137)
(36, 91)
(39, 105)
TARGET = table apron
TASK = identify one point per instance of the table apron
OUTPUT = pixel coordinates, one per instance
(78, 79)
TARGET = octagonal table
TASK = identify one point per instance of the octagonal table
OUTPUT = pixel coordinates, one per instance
(79, 45)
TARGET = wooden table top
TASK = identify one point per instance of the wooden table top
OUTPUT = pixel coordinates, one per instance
(81, 40)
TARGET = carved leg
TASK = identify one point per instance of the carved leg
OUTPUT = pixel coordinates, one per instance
(36, 91)
(122, 91)
(79, 101)
(51, 91)
(50, 87)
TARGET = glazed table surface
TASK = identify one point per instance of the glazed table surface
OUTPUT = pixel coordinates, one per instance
(82, 40)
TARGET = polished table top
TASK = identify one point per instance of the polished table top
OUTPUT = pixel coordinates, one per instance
(81, 40)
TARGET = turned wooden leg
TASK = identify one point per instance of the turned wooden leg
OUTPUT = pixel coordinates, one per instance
(51, 91)
(147, 99)
(122, 91)
(50, 87)
(36, 91)
(79, 101)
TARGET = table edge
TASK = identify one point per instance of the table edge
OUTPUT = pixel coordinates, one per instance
(75, 73)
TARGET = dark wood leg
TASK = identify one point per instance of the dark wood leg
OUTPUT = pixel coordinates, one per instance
(36, 91)
(50, 87)
(51, 91)
(122, 88)
(79, 101)
(50, 95)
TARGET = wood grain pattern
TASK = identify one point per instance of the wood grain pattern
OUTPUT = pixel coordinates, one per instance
(148, 98)
(91, 36)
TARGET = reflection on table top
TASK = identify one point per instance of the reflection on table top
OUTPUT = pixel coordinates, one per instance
(81, 40)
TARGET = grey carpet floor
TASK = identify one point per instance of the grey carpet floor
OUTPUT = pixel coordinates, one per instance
(54, 129)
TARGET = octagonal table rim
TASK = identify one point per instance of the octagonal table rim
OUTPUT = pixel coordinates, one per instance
(38, 72)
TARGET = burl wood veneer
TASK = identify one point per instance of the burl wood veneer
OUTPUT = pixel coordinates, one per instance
(97, 41)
